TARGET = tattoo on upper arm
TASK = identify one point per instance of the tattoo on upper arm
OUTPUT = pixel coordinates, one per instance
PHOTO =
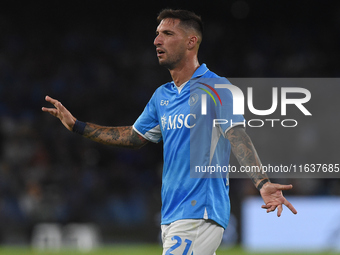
(245, 152)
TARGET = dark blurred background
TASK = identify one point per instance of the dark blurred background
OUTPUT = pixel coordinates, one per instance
(98, 59)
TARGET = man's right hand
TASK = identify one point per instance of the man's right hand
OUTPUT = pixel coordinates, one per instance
(60, 112)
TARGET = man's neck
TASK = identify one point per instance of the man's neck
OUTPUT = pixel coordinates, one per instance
(184, 72)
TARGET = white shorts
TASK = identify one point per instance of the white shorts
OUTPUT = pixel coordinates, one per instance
(191, 237)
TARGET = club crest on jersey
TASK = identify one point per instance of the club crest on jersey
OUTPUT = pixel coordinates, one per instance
(193, 99)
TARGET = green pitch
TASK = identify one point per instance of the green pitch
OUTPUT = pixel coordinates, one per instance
(128, 250)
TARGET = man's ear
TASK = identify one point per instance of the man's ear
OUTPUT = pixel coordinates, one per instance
(193, 39)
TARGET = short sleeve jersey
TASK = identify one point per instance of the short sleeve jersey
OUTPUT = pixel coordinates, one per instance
(191, 141)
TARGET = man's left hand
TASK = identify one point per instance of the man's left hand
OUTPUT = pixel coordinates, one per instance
(272, 196)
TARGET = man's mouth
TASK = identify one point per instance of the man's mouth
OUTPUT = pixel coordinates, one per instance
(160, 52)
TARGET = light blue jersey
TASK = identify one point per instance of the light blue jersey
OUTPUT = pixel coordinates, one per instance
(192, 122)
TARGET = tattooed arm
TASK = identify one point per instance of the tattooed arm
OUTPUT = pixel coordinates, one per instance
(117, 136)
(245, 152)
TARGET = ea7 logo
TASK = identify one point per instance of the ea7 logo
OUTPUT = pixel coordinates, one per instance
(238, 100)
(164, 102)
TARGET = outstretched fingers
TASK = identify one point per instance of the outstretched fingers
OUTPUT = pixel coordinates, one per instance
(279, 210)
(272, 207)
(286, 202)
(51, 100)
(290, 206)
(284, 187)
(60, 112)
(54, 111)
(269, 207)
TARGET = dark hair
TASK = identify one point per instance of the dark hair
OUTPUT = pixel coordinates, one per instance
(187, 18)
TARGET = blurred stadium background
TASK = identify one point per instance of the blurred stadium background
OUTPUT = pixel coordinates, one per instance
(98, 59)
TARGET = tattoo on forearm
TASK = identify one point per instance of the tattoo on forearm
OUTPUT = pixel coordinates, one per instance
(245, 153)
(117, 136)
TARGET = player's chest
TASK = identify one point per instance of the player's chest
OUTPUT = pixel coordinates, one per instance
(174, 112)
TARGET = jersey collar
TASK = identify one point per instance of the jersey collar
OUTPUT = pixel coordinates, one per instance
(201, 70)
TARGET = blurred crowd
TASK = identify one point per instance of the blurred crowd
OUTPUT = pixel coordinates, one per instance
(106, 73)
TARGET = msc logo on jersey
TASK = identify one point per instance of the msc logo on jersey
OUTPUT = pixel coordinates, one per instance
(178, 121)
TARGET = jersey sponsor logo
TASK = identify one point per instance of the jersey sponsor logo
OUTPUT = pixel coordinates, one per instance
(178, 121)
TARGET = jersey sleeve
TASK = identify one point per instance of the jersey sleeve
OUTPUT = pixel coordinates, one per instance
(147, 124)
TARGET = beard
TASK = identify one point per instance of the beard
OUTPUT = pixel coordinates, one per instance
(167, 64)
(171, 61)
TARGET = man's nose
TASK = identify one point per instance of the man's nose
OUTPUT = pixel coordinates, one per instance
(157, 40)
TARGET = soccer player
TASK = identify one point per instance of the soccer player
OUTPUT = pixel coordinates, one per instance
(195, 211)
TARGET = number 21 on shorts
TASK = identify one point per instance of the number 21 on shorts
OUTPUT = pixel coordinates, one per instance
(178, 244)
